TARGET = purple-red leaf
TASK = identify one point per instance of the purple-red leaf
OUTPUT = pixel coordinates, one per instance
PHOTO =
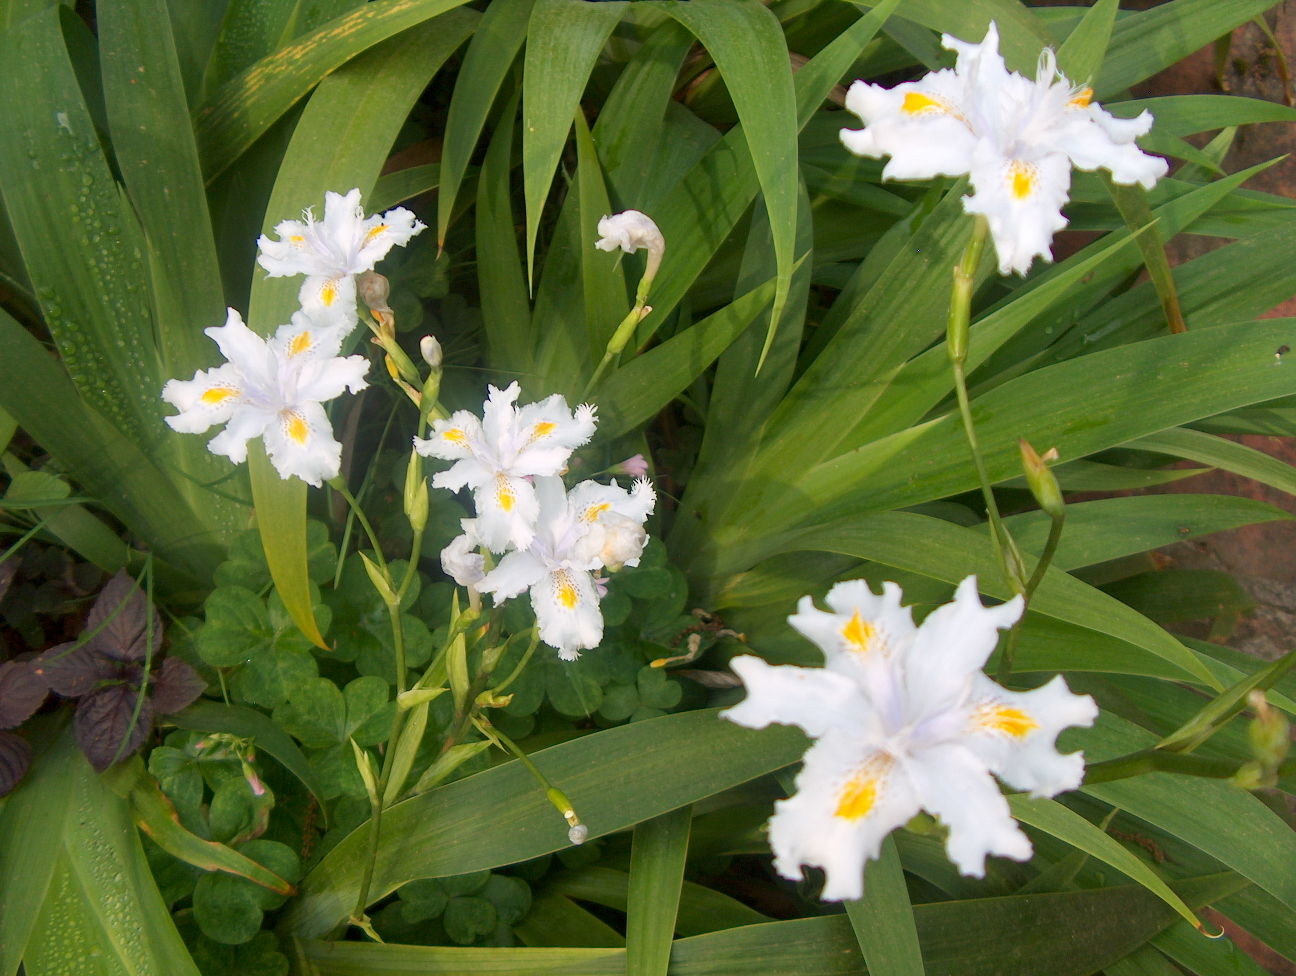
(175, 686)
(121, 616)
(103, 722)
(15, 757)
(73, 673)
(21, 692)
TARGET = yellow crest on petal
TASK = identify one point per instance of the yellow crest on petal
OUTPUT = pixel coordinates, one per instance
(218, 394)
(301, 342)
(1081, 98)
(504, 494)
(565, 590)
(374, 233)
(295, 426)
(592, 512)
(1004, 719)
(329, 291)
(860, 792)
(859, 634)
(1022, 178)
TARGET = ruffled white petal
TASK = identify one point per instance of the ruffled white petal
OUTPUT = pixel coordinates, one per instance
(506, 512)
(324, 379)
(566, 606)
(209, 398)
(394, 228)
(461, 561)
(246, 423)
(300, 442)
(1015, 734)
(1022, 201)
(516, 572)
(452, 440)
(629, 230)
(813, 699)
(246, 350)
(954, 785)
(849, 797)
(921, 125)
(330, 299)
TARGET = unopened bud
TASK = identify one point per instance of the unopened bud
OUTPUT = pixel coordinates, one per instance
(364, 762)
(374, 289)
(431, 351)
(380, 581)
(1269, 733)
(578, 834)
(1043, 484)
(416, 493)
(417, 696)
(489, 699)
(634, 467)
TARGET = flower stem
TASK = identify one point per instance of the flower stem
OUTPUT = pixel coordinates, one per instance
(338, 485)
(1164, 761)
(535, 642)
(960, 314)
(1046, 557)
(620, 337)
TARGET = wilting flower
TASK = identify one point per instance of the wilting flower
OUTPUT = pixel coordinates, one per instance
(332, 251)
(905, 721)
(635, 467)
(495, 455)
(273, 388)
(557, 566)
(1016, 138)
(460, 560)
(631, 230)
(612, 519)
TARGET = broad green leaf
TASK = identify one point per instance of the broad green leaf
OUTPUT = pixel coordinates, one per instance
(555, 920)
(486, 63)
(250, 30)
(643, 386)
(615, 778)
(154, 149)
(78, 237)
(1067, 825)
(397, 187)
(506, 310)
(564, 38)
(1085, 475)
(1021, 34)
(281, 517)
(883, 919)
(1081, 54)
(949, 552)
(657, 857)
(1132, 202)
(1110, 528)
(1195, 445)
(1184, 115)
(1213, 715)
(1009, 936)
(1095, 402)
(602, 276)
(700, 909)
(1213, 816)
(248, 723)
(1144, 43)
(75, 888)
(631, 131)
(41, 397)
(1186, 946)
(346, 133)
(238, 113)
(747, 44)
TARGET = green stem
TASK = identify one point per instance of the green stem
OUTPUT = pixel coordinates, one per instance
(1160, 761)
(960, 314)
(526, 657)
(618, 341)
(1010, 645)
(338, 485)
(509, 745)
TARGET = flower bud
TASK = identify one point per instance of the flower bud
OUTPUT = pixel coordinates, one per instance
(380, 581)
(431, 351)
(374, 290)
(416, 493)
(364, 762)
(489, 699)
(634, 467)
(578, 834)
(1269, 733)
(461, 561)
(1043, 484)
(416, 696)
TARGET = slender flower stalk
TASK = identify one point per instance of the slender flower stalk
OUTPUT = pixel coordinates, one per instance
(629, 230)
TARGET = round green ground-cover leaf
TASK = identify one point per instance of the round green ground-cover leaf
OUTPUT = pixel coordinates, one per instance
(229, 908)
(615, 779)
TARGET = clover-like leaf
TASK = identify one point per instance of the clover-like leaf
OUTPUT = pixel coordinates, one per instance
(656, 690)
(15, 757)
(122, 621)
(422, 900)
(22, 689)
(510, 896)
(181, 780)
(315, 713)
(175, 686)
(238, 813)
(468, 919)
(229, 909)
(237, 627)
(105, 719)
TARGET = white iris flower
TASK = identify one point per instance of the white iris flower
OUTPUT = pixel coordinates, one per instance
(272, 388)
(905, 721)
(572, 532)
(495, 455)
(332, 251)
(1016, 138)
(460, 560)
(631, 230)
